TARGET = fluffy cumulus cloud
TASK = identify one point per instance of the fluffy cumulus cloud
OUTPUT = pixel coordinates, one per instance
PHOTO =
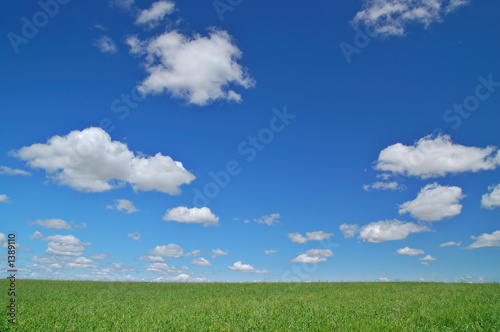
(64, 245)
(198, 69)
(219, 252)
(4, 170)
(164, 269)
(349, 231)
(192, 216)
(435, 157)
(450, 244)
(245, 268)
(409, 251)
(4, 198)
(268, 220)
(391, 17)
(123, 205)
(486, 240)
(155, 13)
(427, 258)
(171, 250)
(105, 44)
(200, 261)
(36, 235)
(434, 202)
(384, 230)
(491, 199)
(313, 256)
(90, 161)
(310, 236)
(394, 185)
(57, 224)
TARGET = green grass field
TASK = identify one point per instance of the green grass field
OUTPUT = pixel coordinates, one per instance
(125, 306)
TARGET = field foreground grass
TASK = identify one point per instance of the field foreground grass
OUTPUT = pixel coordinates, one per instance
(133, 306)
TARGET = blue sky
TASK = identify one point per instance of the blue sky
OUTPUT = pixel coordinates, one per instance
(248, 141)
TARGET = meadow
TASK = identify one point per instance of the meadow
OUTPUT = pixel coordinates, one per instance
(134, 306)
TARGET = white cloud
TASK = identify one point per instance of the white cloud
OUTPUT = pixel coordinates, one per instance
(198, 69)
(156, 13)
(409, 251)
(192, 216)
(349, 230)
(164, 269)
(486, 240)
(171, 250)
(394, 185)
(434, 202)
(152, 259)
(122, 4)
(267, 252)
(79, 263)
(391, 17)
(89, 161)
(245, 268)
(180, 278)
(268, 220)
(425, 263)
(52, 224)
(389, 230)
(36, 235)
(313, 256)
(427, 258)
(135, 236)
(64, 245)
(492, 199)
(310, 236)
(384, 279)
(123, 205)
(11, 171)
(99, 256)
(105, 44)
(4, 198)
(219, 252)
(436, 157)
(120, 268)
(451, 243)
(201, 262)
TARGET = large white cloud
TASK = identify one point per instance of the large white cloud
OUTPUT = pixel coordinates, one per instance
(486, 240)
(310, 236)
(434, 157)
(245, 268)
(313, 256)
(192, 216)
(389, 230)
(491, 199)
(198, 69)
(89, 161)
(157, 12)
(200, 261)
(171, 250)
(409, 251)
(391, 17)
(64, 245)
(434, 202)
